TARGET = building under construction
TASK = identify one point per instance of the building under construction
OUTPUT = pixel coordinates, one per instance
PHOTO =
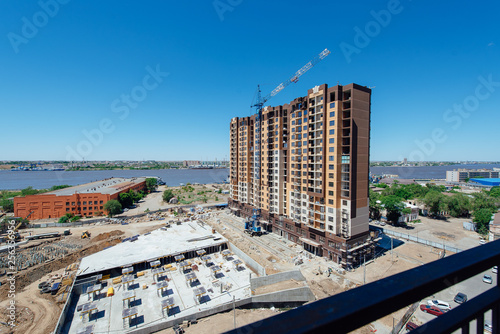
(305, 165)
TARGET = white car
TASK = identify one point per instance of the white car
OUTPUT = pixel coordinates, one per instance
(495, 269)
(439, 304)
(487, 279)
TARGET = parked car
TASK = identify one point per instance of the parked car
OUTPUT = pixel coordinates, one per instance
(411, 326)
(431, 309)
(488, 327)
(487, 279)
(460, 298)
(444, 306)
(495, 269)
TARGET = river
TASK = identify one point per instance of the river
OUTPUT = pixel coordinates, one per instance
(14, 180)
(10, 180)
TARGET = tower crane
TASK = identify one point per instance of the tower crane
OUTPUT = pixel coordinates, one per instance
(260, 101)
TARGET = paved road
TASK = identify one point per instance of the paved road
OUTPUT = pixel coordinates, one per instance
(472, 287)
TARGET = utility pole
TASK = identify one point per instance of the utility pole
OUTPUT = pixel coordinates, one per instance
(234, 313)
(392, 257)
(364, 269)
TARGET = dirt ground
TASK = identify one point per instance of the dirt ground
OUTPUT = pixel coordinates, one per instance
(37, 313)
(407, 256)
(449, 231)
(154, 201)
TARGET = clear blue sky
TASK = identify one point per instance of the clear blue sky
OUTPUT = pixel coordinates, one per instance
(64, 70)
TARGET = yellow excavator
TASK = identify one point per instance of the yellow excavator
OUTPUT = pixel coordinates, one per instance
(16, 234)
(85, 234)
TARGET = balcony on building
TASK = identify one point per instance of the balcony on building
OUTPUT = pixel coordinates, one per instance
(346, 124)
(346, 104)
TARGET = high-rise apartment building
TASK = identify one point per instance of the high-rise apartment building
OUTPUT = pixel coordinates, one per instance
(310, 176)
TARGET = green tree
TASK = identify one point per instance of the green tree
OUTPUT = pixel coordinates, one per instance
(76, 218)
(29, 191)
(53, 188)
(458, 205)
(483, 201)
(495, 192)
(7, 205)
(113, 207)
(394, 205)
(63, 220)
(435, 202)
(151, 184)
(168, 195)
(482, 217)
(135, 196)
(375, 205)
(402, 191)
(126, 200)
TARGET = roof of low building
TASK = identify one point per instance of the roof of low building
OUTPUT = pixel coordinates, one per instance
(487, 181)
(163, 242)
(109, 186)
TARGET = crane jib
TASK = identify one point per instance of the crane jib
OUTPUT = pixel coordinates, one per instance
(294, 78)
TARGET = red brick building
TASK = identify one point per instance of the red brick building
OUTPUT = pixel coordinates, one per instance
(85, 200)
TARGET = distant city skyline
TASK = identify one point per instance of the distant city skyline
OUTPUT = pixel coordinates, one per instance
(125, 81)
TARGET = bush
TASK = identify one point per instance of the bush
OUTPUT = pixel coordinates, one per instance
(63, 220)
(168, 195)
(113, 207)
(7, 205)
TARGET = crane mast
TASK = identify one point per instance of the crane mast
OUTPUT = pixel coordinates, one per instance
(259, 105)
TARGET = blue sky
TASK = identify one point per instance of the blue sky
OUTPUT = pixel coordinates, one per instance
(76, 75)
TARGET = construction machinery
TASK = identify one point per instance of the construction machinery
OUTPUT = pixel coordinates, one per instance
(259, 105)
(252, 226)
(17, 236)
(85, 234)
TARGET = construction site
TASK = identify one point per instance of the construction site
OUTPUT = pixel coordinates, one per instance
(63, 279)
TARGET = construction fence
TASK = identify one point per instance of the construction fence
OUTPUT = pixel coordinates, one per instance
(413, 238)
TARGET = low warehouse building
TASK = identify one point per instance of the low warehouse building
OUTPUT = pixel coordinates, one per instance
(85, 200)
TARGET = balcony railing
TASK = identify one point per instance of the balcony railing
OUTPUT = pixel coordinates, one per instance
(355, 308)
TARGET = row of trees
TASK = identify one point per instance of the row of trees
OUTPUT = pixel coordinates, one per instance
(481, 205)
(126, 200)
